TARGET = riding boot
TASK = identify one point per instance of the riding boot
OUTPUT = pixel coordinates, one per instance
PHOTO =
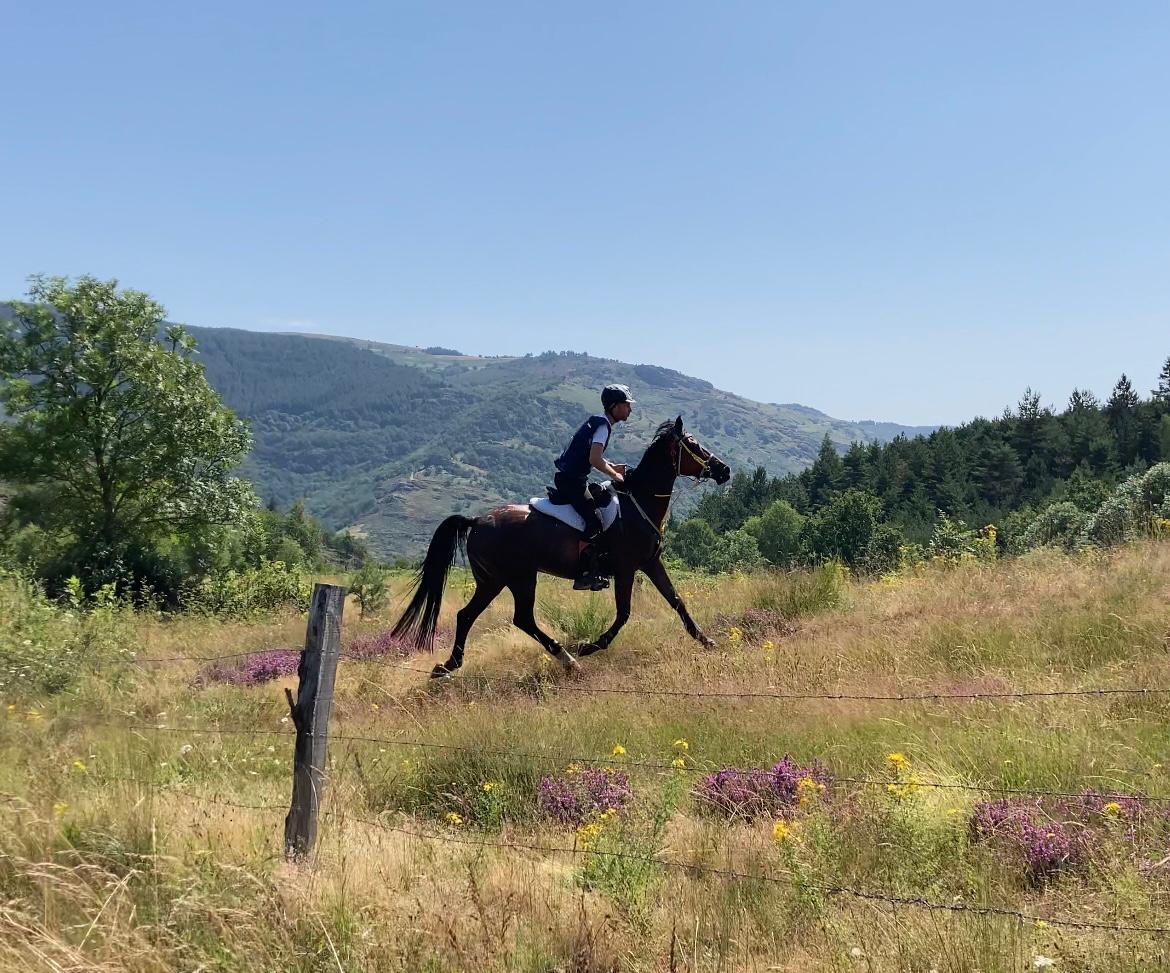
(589, 577)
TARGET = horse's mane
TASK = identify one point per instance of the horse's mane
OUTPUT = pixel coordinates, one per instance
(665, 429)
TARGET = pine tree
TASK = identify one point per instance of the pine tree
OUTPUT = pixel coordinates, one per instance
(1121, 410)
(825, 475)
(1162, 392)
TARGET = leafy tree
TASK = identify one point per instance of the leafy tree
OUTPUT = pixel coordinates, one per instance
(777, 532)
(734, 551)
(845, 528)
(693, 542)
(1085, 491)
(114, 428)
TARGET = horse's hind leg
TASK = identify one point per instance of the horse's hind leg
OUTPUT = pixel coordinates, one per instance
(486, 590)
(524, 595)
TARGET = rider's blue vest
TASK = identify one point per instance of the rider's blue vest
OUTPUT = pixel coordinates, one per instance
(574, 461)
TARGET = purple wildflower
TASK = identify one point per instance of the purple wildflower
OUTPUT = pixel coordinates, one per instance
(1046, 845)
(580, 793)
(381, 644)
(259, 667)
(756, 792)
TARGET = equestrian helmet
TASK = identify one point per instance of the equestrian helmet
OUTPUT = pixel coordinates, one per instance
(613, 395)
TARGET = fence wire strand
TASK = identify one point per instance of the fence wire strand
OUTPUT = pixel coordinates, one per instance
(726, 874)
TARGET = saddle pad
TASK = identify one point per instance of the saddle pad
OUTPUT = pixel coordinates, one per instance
(567, 515)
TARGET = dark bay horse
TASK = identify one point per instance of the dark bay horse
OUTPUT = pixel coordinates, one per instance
(509, 546)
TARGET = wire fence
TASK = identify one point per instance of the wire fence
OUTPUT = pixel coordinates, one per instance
(752, 694)
(578, 851)
(548, 757)
(691, 765)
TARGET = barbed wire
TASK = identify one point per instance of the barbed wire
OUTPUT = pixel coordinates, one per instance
(618, 762)
(570, 687)
(577, 850)
(727, 873)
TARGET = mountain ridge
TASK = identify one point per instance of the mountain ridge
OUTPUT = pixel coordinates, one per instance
(387, 439)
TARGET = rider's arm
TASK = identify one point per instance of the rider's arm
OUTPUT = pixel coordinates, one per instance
(598, 461)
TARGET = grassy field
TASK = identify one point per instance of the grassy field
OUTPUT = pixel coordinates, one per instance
(133, 837)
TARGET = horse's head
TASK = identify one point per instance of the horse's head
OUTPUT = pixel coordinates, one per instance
(692, 458)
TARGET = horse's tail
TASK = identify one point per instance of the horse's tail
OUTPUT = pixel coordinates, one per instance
(421, 617)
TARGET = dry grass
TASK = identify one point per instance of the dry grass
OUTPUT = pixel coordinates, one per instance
(131, 864)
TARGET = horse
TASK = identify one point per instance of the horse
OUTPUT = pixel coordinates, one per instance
(510, 545)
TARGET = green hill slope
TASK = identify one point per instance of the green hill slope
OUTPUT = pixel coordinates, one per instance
(389, 439)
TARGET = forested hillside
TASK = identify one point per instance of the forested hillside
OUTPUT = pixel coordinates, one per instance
(390, 439)
(1038, 475)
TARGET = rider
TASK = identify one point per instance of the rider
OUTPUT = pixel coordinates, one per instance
(571, 480)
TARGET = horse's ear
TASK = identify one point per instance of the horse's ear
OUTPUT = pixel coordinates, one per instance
(678, 426)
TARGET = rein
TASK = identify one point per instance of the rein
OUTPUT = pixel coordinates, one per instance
(704, 470)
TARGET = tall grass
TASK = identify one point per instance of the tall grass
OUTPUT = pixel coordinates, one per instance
(112, 857)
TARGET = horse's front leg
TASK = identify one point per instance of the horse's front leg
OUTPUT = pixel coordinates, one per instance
(656, 572)
(623, 588)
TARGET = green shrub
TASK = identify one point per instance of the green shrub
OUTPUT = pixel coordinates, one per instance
(369, 587)
(1060, 525)
(46, 648)
(245, 594)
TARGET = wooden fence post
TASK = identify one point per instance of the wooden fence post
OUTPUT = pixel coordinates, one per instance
(310, 715)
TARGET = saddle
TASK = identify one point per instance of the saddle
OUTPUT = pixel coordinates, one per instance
(604, 498)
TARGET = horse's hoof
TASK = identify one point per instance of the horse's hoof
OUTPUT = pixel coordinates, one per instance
(568, 661)
(706, 642)
(587, 648)
(441, 672)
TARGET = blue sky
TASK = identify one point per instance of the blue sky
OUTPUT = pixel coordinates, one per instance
(890, 211)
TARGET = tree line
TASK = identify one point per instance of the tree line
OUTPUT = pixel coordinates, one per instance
(868, 507)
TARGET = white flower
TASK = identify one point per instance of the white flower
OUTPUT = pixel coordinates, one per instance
(856, 952)
(1040, 962)
(186, 748)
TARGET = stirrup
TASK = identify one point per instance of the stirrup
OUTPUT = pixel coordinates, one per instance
(590, 582)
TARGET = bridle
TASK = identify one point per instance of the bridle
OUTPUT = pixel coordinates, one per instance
(703, 473)
(704, 465)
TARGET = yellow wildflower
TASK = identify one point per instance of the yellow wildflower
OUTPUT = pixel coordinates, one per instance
(768, 645)
(1112, 809)
(734, 635)
(488, 786)
(573, 769)
(952, 811)
(904, 788)
(79, 765)
(618, 750)
(1041, 924)
(781, 832)
(807, 788)
(682, 744)
(896, 760)
(678, 763)
(59, 808)
(454, 819)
